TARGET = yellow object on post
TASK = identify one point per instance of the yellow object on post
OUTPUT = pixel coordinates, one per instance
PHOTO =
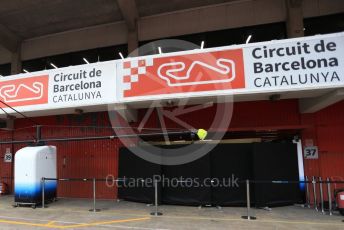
(202, 134)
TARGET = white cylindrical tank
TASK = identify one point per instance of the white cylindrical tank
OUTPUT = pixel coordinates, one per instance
(30, 165)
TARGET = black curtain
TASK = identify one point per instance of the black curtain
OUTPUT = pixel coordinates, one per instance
(139, 174)
(273, 162)
(230, 165)
(186, 183)
(216, 178)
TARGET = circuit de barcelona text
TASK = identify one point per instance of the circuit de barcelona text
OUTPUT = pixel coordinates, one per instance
(78, 86)
(301, 63)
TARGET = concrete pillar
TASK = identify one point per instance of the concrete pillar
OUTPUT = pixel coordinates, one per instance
(133, 42)
(294, 18)
(16, 63)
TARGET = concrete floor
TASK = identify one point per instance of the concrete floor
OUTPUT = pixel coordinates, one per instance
(74, 214)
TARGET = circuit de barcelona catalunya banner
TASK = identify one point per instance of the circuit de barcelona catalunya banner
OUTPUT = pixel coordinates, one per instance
(276, 66)
(77, 86)
(308, 63)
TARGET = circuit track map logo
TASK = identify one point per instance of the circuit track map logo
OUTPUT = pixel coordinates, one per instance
(26, 91)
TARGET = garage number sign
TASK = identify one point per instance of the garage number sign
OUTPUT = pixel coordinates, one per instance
(8, 156)
(311, 152)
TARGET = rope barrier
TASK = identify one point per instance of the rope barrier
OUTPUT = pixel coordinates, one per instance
(241, 181)
(248, 215)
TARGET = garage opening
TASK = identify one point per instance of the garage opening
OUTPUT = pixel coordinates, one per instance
(218, 178)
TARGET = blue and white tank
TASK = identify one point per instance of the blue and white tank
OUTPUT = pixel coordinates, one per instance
(30, 165)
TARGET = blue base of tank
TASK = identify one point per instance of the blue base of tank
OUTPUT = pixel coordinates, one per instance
(32, 193)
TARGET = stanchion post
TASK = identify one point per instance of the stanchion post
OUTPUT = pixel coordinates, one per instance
(314, 194)
(329, 196)
(156, 211)
(308, 201)
(94, 196)
(248, 201)
(321, 195)
(43, 192)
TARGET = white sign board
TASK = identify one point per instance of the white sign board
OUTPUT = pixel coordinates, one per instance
(70, 87)
(295, 64)
(307, 63)
(311, 152)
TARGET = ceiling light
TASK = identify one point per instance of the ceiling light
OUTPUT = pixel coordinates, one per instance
(85, 60)
(52, 64)
(248, 38)
(202, 44)
(121, 55)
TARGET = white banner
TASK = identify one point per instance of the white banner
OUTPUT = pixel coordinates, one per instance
(302, 63)
(307, 63)
(71, 87)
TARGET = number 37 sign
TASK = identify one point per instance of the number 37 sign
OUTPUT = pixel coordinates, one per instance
(311, 152)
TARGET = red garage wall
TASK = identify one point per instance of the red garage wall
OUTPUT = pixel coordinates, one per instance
(6, 168)
(254, 115)
(75, 159)
(88, 159)
(327, 132)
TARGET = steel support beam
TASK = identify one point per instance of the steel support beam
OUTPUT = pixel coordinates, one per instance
(294, 18)
(131, 16)
(16, 62)
(133, 43)
(12, 43)
(94, 138)
(8, 39)
(129, 13)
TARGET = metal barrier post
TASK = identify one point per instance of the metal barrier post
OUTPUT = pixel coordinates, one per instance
(43, 191)
(248, 217)
(314, 194)
(329, 196)
(308, 201)
(94, 197)
(321, 195)
(156, 212)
